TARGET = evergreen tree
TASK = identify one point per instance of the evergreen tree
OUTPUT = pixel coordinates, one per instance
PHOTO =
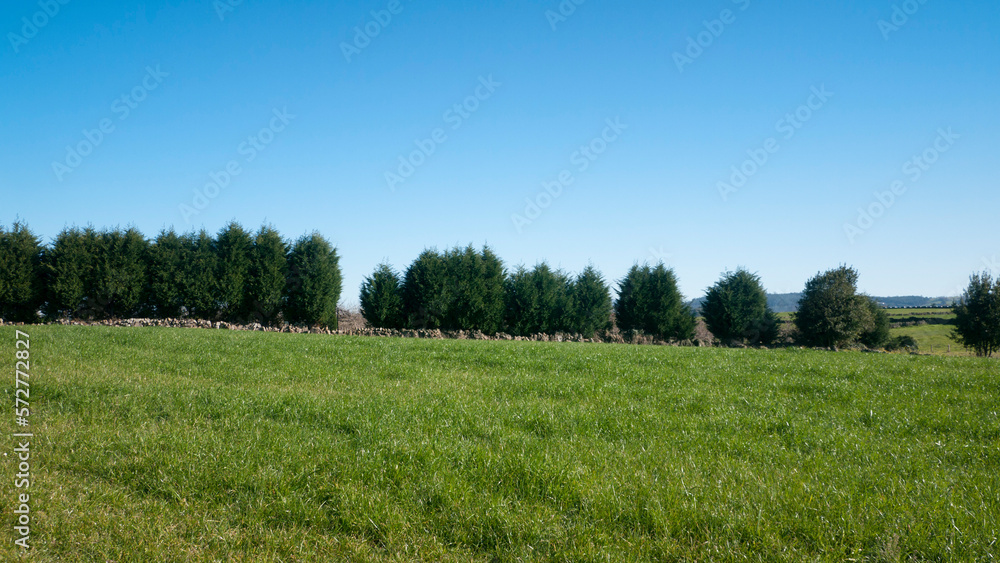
(831, 313)
(267, 276)
(735, 309)
(650, 302)
(166, 265)
(474, 289)
(382, 298)
(591, 298)
(232, 249)
(67, 271)
(120, 284)
(314, 282)
(20, 282)
(200, 285)
(539, 301)
(977, 316)
(425, 296)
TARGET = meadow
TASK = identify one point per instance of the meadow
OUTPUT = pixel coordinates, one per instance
(208, 445)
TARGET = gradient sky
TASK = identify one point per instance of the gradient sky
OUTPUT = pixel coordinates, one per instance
(200, 80)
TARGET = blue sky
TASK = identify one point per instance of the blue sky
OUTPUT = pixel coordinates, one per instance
(309, 113)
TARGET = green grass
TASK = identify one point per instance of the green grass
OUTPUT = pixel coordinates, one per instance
(192, 445)
(933, 339)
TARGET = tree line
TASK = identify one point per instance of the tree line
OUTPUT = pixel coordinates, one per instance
(234, 276)
(240, 276)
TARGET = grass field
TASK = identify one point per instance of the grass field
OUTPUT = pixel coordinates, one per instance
(194, 445)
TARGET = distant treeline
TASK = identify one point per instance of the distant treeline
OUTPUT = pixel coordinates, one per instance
(235, 275)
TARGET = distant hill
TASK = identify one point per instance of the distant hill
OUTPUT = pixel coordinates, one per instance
(789, 302)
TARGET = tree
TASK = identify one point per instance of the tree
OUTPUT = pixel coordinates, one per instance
(876, 333)
(831, 313)
(425, 296)
(382, 298)
(473, 290)
(200, 285)
(314, 282)
(20, 283)
(977, 316)
(166, 260)
(591, 299)
(120, 274)
(232, 250)
(68, 272)
(267, 276)
(735, 309)
(539, 301)
(649, 301)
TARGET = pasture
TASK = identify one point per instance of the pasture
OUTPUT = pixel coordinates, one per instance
(207, 445)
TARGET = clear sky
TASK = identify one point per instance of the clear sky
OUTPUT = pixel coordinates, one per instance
(638, 116)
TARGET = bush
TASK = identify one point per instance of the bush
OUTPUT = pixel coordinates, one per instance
(977, 316)
(314, 282)
(20, 282)
(876, 332)
(591, 299)
(831, 313)
(735, 309)
(650, 302)
(382, 298)
(232, 249)
(268, 273)
(902, 342)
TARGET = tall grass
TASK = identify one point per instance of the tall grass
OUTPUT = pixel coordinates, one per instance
(191, 445)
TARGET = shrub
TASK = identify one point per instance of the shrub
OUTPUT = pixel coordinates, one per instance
(977, 316)
(649, 301)
(382, 298)
(735, 309)
(314, 282)
(876, 331)
(591, 299)
(20, 282)
(267, 275)
(831, 313)
(902, 342)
